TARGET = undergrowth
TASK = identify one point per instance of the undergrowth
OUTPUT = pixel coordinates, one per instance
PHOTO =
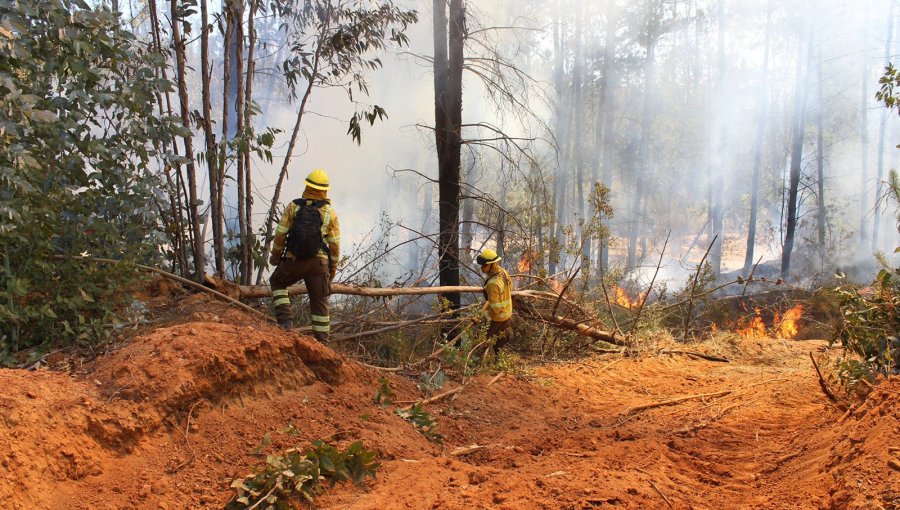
(296, 475)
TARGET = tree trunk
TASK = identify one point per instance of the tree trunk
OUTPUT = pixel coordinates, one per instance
(864, 141)
(717, 211)
(468, 205)
(560, 183)
(448, 64)
(757, 150)
(796, 159)
(604, 133)
(879, 177)
(577, 126)
(820, 159)
(248, 243)
(235, 13)
(643, 166)
(193, 213)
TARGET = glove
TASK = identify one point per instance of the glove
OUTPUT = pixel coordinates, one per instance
(332, 271)
(274, 259)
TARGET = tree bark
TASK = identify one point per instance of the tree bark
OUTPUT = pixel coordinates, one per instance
(212, 158)
(758, 149)
(796, 159)
(717, 211)
(607, 107)
(879, 177)
(448, 64)
(193, 213)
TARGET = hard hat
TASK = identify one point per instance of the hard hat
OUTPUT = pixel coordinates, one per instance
(317, 179)
(487, 256)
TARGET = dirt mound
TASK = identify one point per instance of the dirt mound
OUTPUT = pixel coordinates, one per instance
(169, 419)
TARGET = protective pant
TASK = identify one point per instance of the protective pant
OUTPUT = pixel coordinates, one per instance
(500, 332)
(314, 273)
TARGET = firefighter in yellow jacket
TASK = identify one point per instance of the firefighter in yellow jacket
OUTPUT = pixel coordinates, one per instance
(307, 247)
(497, 289)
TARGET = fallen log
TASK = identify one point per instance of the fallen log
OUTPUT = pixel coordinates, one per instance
(612, 337)
(260, 291)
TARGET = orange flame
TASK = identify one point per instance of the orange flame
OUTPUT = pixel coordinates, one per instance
(555, 285)
(524, 264)
(714, 327)
(787, 326)
(755, 328)
(621, 298)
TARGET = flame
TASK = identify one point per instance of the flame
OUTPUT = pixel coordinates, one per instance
(755, 328)
(555, 285)
(714, 327)
(787, 326)
(621, 298)
(524, 264)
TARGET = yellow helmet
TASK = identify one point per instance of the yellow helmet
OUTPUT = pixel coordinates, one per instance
(487, 256)
(317, 179)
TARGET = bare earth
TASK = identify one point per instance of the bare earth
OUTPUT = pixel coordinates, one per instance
(169, 419)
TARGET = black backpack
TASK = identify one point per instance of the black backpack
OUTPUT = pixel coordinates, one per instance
(305, 237)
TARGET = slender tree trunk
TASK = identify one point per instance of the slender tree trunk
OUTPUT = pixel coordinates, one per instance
(879, 178)
(608, 81)
(236, 15)
(864, 140)
(468, 204)
(820, 157)
(193, 213)
(578, 126)
(719, 166)
(448, 64)
(182, 241)
(560, 182)
(643, 167)
(249, 242)
(796, 159)
(212, 158)
(276, 196)
(758, 149)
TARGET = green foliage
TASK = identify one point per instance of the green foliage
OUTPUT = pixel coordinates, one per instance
(77, 135)
(296, 475)
(429, 383)
(424, 422)
(385, 395)
(869, 328)
(333, 46)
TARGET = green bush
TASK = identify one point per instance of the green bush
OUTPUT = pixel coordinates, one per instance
(869, 328)
(302, 475)
(78, 133)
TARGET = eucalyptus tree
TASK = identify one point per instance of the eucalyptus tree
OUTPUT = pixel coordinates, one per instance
(79, 139)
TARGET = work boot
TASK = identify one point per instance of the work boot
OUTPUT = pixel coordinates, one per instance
(287, 325)
(321, 337)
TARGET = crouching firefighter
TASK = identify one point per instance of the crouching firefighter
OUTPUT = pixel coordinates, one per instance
(497, 290)
(307, 247)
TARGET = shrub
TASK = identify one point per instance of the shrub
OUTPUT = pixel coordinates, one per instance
(78, 132)
(302, 475)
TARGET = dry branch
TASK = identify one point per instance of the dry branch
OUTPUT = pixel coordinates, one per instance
(434, 398)
(673, 401)
(697, 355)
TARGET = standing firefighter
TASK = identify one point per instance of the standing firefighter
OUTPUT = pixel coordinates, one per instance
(307, 247)
(497, 288)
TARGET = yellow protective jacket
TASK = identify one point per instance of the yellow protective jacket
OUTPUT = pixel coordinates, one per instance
(331, 230)
(498, 288)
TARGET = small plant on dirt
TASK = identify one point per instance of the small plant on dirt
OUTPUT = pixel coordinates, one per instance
(385, 395)
(298, 475)
(424, 422)
(869, 326)
(431, 382)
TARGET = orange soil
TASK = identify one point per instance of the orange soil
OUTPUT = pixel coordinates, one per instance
(166, 421)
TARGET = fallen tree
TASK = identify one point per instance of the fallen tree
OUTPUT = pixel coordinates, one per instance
(589, 327)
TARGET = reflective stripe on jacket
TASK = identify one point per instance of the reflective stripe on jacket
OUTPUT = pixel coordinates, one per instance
(499, 288)
(331, 230)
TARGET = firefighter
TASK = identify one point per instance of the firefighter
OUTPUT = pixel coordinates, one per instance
(497, 289)
(307, 247)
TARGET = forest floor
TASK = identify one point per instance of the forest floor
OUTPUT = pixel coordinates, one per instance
(167, 419)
